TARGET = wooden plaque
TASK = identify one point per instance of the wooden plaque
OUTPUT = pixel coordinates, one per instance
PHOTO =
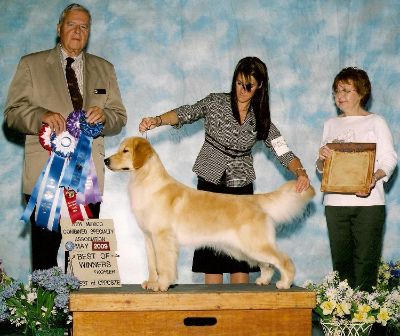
(349, 169)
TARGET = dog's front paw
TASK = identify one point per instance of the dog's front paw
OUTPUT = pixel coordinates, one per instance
(261, 281)
(155, 286)
(282, 284)
(150, 285)
(266, 275)
(163, 288)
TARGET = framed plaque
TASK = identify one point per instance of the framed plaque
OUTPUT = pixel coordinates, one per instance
(350, 168)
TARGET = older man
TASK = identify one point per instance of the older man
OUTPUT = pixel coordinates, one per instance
(41, 92)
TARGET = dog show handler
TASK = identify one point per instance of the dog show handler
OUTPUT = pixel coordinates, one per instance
(233, 123)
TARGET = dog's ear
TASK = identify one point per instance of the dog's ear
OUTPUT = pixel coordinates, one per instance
(142, 151)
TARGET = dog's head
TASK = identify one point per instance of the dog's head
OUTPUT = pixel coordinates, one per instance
(132, 154)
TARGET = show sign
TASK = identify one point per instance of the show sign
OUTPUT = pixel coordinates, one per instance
(90, 247)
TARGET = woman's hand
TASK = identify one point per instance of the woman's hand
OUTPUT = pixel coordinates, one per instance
(366, 194)
(303, 182)
(324, 153)
(379, 174)
(147, 124)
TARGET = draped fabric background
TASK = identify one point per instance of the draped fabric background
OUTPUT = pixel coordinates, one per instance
(169, 53)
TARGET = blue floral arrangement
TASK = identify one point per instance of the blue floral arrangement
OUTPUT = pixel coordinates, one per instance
(40, 305)
(388, 275)
(389, 283)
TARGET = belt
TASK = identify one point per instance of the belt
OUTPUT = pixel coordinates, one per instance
(233, 153)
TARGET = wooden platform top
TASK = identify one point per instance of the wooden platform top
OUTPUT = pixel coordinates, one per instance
(191, 297)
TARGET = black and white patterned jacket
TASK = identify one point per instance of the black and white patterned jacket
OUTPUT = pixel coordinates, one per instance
(227, 146)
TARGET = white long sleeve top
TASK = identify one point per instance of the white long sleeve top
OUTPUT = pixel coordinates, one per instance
(369, 129)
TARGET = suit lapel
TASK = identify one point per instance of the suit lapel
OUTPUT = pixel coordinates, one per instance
(89, 77)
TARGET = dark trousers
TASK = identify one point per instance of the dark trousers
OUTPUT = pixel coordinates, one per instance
(356, 237)
(45, 243)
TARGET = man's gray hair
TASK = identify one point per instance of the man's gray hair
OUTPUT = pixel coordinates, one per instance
(74, 6)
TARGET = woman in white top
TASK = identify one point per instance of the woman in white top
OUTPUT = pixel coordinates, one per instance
(355, 221)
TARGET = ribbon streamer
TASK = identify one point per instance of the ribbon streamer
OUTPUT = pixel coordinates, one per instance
(49, 201)
(47, 194)
(80, 174)
(91, 188)
(78, 166)
(71, 209)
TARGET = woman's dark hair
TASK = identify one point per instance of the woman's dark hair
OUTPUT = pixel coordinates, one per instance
(253, 66)
(360, 80)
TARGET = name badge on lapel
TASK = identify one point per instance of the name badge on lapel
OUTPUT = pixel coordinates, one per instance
(99, 91)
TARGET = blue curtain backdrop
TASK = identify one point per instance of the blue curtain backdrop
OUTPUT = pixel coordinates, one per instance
(169, 53)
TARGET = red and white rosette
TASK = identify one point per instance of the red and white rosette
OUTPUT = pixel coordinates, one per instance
(62, 144)
(45, 137)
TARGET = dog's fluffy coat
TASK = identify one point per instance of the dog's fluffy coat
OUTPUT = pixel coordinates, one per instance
(171, 214)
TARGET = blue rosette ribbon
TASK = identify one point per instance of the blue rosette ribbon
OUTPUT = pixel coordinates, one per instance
(80, 169)
(47, 194)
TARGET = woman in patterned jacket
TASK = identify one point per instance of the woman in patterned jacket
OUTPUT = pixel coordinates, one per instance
(233, 122)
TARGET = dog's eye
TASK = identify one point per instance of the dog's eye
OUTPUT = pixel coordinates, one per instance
(125, 151)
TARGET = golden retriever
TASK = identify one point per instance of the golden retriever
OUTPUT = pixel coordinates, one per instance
(171, 214)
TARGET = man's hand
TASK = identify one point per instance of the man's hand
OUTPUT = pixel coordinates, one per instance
(95, 115)
(55, 121)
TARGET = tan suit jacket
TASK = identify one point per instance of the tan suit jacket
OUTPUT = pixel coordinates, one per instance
(39, 85)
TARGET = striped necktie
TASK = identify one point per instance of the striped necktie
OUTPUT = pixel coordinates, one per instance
(73, 86)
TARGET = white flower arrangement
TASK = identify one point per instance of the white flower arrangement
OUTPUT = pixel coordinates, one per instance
(339, 304)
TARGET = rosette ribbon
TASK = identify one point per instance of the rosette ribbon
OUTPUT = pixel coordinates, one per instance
(80, 174)
(47, 195)
(70, 209)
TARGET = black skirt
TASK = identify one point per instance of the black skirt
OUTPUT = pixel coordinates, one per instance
(207, 260)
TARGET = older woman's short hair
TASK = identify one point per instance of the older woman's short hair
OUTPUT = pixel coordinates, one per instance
(74, 6)
(358, 78)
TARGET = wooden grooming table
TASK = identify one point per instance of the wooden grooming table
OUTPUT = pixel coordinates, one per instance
(192, 310)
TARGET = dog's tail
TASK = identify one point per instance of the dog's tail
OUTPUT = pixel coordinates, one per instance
(285, 204)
